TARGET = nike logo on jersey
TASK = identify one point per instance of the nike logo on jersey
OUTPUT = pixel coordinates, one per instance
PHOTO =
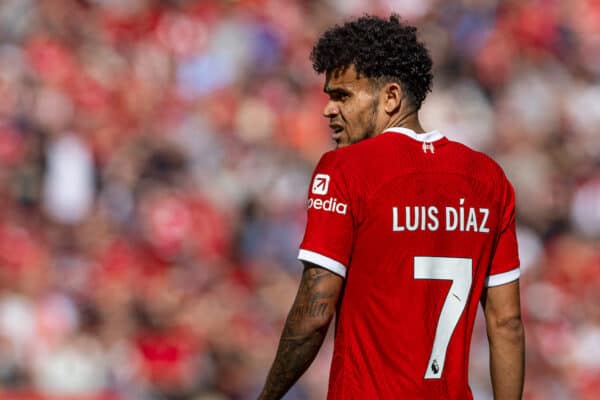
(429, 218)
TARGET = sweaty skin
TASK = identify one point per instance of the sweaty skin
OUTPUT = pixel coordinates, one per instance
(351, 108)
(360, 108)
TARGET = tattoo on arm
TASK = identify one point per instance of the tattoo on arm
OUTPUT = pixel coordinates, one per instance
(304, 331)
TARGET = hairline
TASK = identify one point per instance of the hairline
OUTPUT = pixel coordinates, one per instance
(377, 81)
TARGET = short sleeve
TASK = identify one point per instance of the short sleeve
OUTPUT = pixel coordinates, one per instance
(505, 263)
(329, 234)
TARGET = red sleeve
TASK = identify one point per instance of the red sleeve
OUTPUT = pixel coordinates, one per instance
(329, 234)
(505, 264)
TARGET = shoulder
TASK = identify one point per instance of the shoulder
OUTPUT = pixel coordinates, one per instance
(487, 170)
(343, 158)
(361, 152)
(347, 166)
(480, 162)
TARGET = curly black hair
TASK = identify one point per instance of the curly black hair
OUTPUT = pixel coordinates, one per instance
(385, 50)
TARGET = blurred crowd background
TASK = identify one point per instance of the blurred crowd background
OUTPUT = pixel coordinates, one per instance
(154, 163)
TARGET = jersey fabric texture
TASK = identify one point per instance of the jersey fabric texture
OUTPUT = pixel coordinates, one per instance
(418, 225)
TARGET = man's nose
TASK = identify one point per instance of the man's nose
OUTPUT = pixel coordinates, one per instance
(330, 110)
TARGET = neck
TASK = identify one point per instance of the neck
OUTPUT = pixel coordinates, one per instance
(409, 121)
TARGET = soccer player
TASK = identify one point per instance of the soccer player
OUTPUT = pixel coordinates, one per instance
(407, 232)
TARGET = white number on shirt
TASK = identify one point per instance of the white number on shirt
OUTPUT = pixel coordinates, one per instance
(458, 270)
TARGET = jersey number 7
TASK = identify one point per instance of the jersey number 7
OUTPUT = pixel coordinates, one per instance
(458, 270)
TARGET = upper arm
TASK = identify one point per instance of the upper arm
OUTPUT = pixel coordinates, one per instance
(502, 304)
(317, 297)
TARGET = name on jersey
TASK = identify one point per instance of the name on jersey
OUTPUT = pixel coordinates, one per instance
(430, 218)
(330, 205)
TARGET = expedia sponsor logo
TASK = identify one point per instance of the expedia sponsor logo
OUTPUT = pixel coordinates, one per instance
(320, 184)
(329, 205)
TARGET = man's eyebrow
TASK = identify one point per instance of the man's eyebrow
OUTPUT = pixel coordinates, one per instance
(334, 90)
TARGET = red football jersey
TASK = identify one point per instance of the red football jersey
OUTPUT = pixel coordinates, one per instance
(418, 225)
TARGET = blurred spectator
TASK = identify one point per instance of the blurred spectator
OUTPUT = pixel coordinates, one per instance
(154, 161)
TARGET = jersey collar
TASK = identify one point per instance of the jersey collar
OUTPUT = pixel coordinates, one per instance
(421, 137)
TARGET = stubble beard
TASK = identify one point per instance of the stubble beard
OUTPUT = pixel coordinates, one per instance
(370, 130)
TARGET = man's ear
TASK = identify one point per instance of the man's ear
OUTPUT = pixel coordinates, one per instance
(393, 96)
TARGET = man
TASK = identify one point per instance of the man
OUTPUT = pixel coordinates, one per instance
(407, 232)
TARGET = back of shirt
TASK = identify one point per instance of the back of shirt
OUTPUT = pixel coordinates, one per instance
(418, 225)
